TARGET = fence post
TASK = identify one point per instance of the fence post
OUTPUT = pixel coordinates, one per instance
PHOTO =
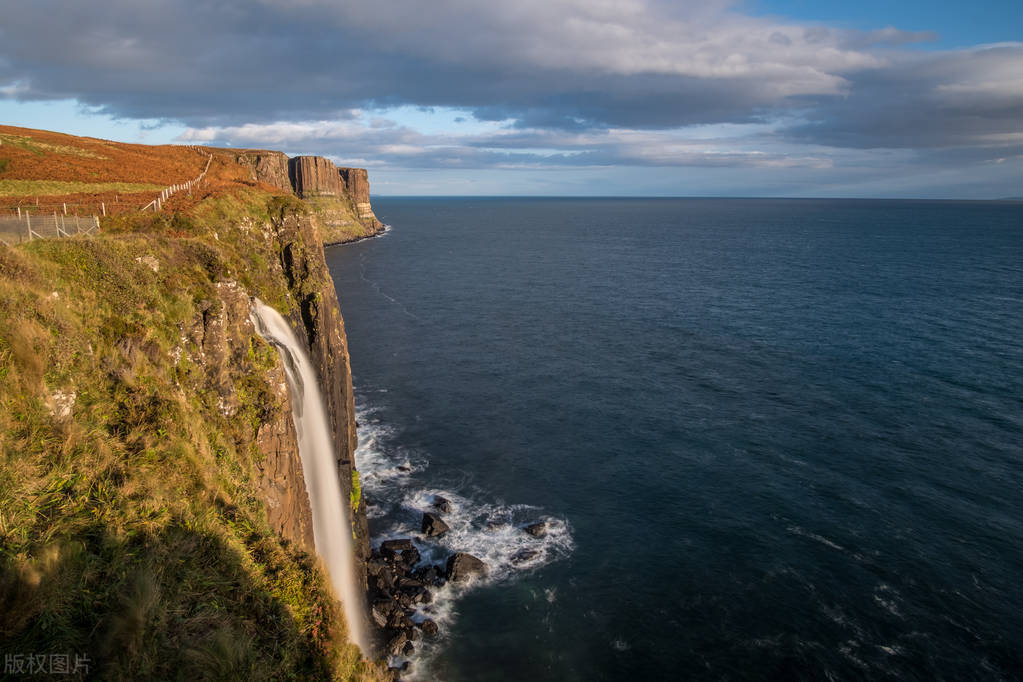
(19, 211)
(104, 207)
(28, 222)
(65, 208)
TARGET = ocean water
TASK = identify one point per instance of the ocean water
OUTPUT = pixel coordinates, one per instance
(773, 439)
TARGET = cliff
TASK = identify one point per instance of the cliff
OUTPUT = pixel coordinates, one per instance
(339, 196)
(153, 511)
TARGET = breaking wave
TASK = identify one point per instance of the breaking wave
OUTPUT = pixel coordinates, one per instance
(397, 488)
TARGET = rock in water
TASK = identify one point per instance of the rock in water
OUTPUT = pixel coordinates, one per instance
(400, 551)
(396, 645)
(434, 525)
(442, 504)
(429, 628)
(524, 555)
(462, 566)
(537, 530)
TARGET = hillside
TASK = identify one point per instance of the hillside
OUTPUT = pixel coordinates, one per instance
(153, 517)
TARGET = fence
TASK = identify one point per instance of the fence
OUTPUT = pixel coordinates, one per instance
(25, 228)
(157, 203)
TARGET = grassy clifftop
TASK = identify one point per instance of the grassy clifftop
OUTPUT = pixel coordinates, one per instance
(136, 408)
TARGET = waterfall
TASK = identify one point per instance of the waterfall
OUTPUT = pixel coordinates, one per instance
(332, 529)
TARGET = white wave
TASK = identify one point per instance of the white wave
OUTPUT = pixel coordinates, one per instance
(397, 494)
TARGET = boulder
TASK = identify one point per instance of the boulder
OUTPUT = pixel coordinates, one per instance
(396, 645)
(429, 574)
(400, 551)
(442, 504)
(396, 671)
(462, 566)
(537, 530)
(524, 555)
(406, 584)
(433, 525)
(381, 611)
(429, 628)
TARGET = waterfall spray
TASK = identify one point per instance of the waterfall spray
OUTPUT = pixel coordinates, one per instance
(332, 529)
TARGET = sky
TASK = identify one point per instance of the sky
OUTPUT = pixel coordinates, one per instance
(828, 98)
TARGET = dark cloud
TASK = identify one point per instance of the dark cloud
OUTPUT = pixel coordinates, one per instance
(970, 99)
(573, 66)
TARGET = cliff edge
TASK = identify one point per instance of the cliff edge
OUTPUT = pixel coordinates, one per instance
(339, 196)
(153, 513)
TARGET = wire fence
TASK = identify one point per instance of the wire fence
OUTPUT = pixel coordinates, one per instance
(24, 228)
(157, 203)
(33, 220)
(116, 205)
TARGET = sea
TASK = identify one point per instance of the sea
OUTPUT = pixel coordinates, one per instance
(767, 439)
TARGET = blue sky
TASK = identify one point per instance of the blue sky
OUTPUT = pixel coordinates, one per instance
(565, 97)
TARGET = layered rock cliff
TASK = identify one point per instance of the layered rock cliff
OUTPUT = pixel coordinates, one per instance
(339, 196)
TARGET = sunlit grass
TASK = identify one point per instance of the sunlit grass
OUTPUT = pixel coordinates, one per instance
(131, 529)
(17, 188)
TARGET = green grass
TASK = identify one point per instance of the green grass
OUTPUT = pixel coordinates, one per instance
(3, 164)
(17, 188)
(131, 529)
(40, 148)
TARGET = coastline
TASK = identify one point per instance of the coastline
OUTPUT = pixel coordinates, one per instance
(138, 388)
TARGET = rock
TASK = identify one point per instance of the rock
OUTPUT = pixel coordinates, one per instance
(356, 181)
(400, 551)
(396, 671)
(428, 575)
(381, 580)
(391, 546)
(413, 634)
(313, 176)
(407, 584)
(434, 525)
(462, 566)
(429, 628)
(494, 525)
(409, 649)
(396, 645)
(404, 468)
(381, 612)
(442, 504)
(537, 530)
(524, 555)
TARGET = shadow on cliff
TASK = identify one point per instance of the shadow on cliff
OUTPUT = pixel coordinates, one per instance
(175, 603)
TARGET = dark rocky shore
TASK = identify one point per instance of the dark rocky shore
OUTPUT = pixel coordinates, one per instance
(399, 582)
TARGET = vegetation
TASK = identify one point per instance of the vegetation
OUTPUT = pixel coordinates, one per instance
(40, 147)
(13, 188)
(356, 494)
(130, 529)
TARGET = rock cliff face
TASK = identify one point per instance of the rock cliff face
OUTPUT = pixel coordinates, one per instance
(340, 196)
(214, 343)
(319, 317)
(357, 183)
(268, 167)
(315, 176)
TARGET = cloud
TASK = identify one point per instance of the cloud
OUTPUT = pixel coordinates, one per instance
(635, 62)
(964, 99)
(571, 82)
(391, 145)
